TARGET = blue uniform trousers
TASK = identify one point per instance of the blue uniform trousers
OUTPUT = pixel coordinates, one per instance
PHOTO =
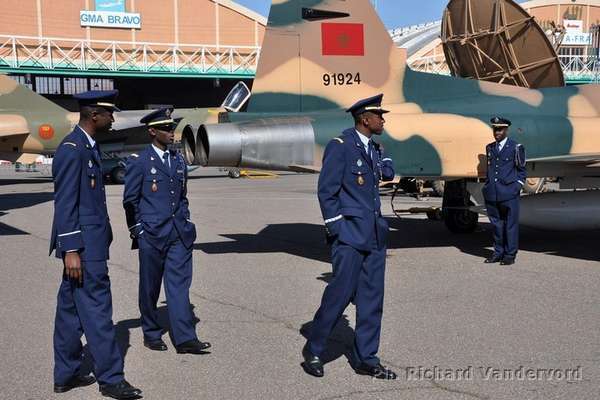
(360, 276)
(174, 262)
(86, 310)
(504, 216)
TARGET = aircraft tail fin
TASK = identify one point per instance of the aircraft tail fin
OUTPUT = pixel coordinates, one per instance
(14, 96)
(325, 55)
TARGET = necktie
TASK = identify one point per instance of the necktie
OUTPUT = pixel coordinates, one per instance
(96, 151)
(370, 150)
(166, 158)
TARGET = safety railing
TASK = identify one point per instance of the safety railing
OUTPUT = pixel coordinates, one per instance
(24, 53)
(577, 69)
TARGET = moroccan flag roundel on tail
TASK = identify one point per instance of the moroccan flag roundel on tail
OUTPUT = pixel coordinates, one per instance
(343, 39)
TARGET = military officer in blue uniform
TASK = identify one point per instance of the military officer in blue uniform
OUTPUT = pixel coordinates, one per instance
(348, 191)
(158, 217)
(506, 174)
(81, 236)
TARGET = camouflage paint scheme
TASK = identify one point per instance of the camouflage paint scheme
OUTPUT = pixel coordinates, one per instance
(438, 125)
(23, 113)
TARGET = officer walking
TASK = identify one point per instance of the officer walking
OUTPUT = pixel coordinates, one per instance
(81, 236)
(158, 218)
(506, 174)
(353, 165)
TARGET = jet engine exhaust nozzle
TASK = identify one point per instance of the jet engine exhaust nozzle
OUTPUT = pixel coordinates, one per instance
(270, 144)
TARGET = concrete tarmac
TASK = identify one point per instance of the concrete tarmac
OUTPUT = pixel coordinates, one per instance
(453, 328)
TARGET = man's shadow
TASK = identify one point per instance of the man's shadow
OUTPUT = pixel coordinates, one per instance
(340, 342)
(123, 334)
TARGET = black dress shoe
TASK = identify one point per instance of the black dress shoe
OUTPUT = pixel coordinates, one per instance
(312, 364)
(493, 259)
(376, 371)
(193, 347)
(75, 382)
(507, 261)
(156, 345)
(120, 391)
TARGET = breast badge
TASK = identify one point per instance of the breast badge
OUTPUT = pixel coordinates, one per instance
(361, 180)
(154, 186)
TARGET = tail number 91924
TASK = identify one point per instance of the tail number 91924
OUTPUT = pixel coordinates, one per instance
(341, 79)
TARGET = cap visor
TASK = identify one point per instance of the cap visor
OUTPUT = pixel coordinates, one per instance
(165, 127)
(111, 108)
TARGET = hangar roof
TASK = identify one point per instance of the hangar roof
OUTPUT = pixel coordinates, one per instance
(540, 3)
(244, 10)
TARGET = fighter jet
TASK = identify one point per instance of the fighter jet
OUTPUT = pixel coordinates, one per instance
(320, 56)
(32, 125)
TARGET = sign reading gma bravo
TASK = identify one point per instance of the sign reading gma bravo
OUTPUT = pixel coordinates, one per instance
(109, 19)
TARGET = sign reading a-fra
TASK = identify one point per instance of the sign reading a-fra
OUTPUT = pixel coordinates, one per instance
(109, 19)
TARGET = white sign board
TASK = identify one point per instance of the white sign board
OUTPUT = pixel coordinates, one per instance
(577, 39)
(108, 19)
(573, 25)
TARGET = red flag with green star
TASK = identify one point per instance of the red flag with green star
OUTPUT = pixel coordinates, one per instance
(343, 39)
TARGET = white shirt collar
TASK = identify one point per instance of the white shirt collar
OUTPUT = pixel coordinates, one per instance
(365, 140)
(89, 138)
(159, 151)
(502, 143)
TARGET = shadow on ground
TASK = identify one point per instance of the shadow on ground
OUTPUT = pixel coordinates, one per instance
(308, 240)
(123, 329)
(340, 342)
(14, 201)
(21, 181)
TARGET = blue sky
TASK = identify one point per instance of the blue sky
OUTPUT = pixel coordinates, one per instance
(413, 11)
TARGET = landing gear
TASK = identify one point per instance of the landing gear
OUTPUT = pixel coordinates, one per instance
(234, 173)
(438, 188)
(117, 175)
(457, 217)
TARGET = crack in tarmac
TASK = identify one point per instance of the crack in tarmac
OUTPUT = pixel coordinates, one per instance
(435, 386)
(362, 392)
(290, 326)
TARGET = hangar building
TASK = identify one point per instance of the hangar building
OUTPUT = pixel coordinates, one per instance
(578, 53)
(183, 53)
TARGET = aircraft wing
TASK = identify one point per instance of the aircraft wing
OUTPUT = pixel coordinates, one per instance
(12, 124)
(304, 169)
(579, 158)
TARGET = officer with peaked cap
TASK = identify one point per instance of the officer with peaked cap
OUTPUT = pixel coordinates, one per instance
(506, 174)
(158, 217)
(81, 236)
(348, 191)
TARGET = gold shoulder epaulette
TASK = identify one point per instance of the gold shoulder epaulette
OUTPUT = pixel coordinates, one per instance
(339, 139)
(71, 144)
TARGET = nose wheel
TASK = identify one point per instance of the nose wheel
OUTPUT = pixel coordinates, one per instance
(455, 208)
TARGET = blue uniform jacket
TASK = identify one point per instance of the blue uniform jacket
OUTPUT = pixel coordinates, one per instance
(155, 199)
(81, 220)
(349, 191)
(506, 172)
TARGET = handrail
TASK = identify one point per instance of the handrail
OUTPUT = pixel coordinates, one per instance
(65, 54)
(576, 68)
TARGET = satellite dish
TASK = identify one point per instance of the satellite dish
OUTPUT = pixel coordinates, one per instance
(497, 41)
